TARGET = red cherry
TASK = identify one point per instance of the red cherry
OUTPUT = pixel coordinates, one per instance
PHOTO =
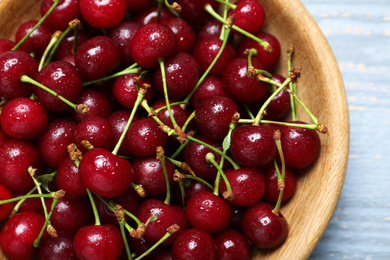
(37, 41)
(97, 102)
(232, 245)
(63, 13)
(103, 14)
(211, 85)
(193, 10)
(272, 191)
(185, 35)
(249, 15)
(60, 247)
(69, 179)
(104, 173)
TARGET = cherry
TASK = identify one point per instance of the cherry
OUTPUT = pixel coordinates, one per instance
(152, 42)
(262, 227)
(269, 60)
(249, 15)
(144, 136)
(60, 247)
(52, 144)
(64, 79)
(248, 185)
(253, 145)
(18, 234)
(194, 155)
(272, 191)
(211, 85)
(97, 57)
(13, 65)
(232, 245)
(96, 130)
(182, 73)
(239, 86)
(167, 215)
(104, 173)
(211, 29)
(103, 14)
(148, 172)
(125, 90)
(23, 118)
(138, 6)
(69, 179)
(70, 215)
(150, 15)
(37, 41)
(98, 242)
(194, 244)
(123, 34)
(206, 50)
(209, 212)
(185, 35)
(178, 113)
(193, 10)
(213, 116)
(62, 14)
(6, 45)
(97, 102)
(300, 146)
(5, 209)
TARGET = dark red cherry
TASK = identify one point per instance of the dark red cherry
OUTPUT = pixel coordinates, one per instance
(5, 209)
(209, 212)
(193, 10)
(13, 65)
(211, 85)
(104, 173)
(232, 245)
(236, 220)
(185, 35)
(164, 255)
(262, 227)
(167, 215)
(62, 14)
(300, 146)
(97, 102)
(178, 113)
(97, 57)
(70, 215)
(271, 193)
(55, 248)
(6, 45)
(213, 116)
(252, 145)
(182, 73)
(152, 42)
(249, 15)
(144, 136)
(52, 144)
(194, 244)
(206, 50)
(96, 130)
(125, 90)
(150, 15)
(69, 179)
(248, 186)
(269, 60)
(23, 118)
(195, 153)
(18, 234)
(64, 79)
(37, 41)
(239, 86)
(123, 34)
(137, 6)
(15, 157)
(98, 242)
(103, 14)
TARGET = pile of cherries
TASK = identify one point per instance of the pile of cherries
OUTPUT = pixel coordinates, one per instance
(141, 129)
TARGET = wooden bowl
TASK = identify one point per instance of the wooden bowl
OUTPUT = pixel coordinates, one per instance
(320, 87)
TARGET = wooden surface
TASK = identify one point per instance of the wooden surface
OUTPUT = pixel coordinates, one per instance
(321, 88)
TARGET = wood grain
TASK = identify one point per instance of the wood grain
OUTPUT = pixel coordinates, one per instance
(320, 87)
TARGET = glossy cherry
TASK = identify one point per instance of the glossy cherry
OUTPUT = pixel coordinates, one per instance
(37, 41)
(185, 35)
(97, 102)
(262, 227)
(211, 85)
(209, 212)
(104, 173)
(232, 245)
(249, 15)
(118, 121)
(55, 248)
(63, 13)
(211, 29)
(69, 179)
(103, 14)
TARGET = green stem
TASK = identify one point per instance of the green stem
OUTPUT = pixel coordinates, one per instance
(165, 237)
(171, 8)
(27, 196)
(54, 39)
(189, 176)
(178, 151)
(94, 209)
(20, 202)
(210, 157)
(282, 177)
(292, 86)
(37, 241)
(159, 7)
(192, 116)
(168, 195)
(129, 70)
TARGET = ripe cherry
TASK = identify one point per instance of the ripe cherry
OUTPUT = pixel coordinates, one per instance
(185, 35)
(37, 41)
(60, 247)
(103, 14)
(97, 102)
(69, 179)
(249, 15)
(211, 85)
(232, 245)
(63, 13)
(272, 191)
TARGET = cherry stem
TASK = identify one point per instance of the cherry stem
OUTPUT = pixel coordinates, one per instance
(196, 178)
(24, 197)
(210, 157)
(227, 26)
(139, 189)
(94, 209)
(129, 70)
(182, 190)
(161, 157)
(164, 80)
(151, 112)
(20, 202)
(54, 39)
(227, 4)
(175, 8)
(262, 43)
(31, 171)
(158, 110)
(55, 3)
(264, 106)
(251, 121)
(235, 165)
(281, 183)
(170, 231)
(292, 85)
(191, 117)
(225, 14)
(181, 147)
(140, 95)
(120, 215)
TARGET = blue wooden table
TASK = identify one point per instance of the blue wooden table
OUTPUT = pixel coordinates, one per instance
(359, 33)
